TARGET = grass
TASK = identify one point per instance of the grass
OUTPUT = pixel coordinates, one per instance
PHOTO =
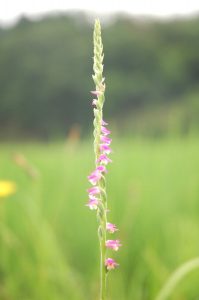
(48, 238)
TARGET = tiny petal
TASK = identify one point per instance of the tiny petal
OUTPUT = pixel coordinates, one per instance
(96, 93)
(94, 177)
(104, 159)
(110, 263)
(105, 148)
(105, 131)
(111, 227)
(102, 169)
(93, 203)
(94, 190)
(105, 139)
(113, 244)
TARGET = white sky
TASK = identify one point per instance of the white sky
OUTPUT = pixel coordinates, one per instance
(10, 10)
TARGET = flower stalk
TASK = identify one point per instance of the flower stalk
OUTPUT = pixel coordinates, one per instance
(97, 193)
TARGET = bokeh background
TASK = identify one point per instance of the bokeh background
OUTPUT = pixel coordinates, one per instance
(48, 238)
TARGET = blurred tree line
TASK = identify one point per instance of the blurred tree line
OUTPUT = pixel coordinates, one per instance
(151, 69)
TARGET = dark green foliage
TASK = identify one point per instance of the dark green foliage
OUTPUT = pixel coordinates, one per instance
(46, 69)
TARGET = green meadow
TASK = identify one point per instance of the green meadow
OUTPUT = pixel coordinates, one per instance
(48, 237)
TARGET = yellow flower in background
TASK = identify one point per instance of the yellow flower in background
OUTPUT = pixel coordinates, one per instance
(7, 188)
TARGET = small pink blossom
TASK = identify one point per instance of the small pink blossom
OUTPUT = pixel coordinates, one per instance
(105, 148)
(104, 159)
(111, 227)
(93, 203)
(105, 139)
(102, 169)
(105, 131)
(96, 93)
(94, 190)
(110, 263)
(94, 177)
(113, 244)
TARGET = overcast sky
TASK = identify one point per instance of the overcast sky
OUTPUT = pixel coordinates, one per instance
(11, 10)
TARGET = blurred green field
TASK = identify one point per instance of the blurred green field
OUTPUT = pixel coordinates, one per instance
(48, 238)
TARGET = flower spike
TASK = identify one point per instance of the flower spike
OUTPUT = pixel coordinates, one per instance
(97, 193)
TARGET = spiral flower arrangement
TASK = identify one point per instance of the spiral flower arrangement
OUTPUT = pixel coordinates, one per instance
(97, 192)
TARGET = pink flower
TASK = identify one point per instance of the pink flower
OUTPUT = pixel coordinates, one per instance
(113, 244)
(111, 227)
(104, 159)
(104, 123)
(96, 93)
(105, 131)
(111, 264)
(105, 139)
(105, 148)
(93, 203)
(94, 177)
(94, 190)
(102, 169)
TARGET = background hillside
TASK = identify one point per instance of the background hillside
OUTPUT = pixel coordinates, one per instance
(151, 70)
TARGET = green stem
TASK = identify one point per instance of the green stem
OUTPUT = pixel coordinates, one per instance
(102, 271)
